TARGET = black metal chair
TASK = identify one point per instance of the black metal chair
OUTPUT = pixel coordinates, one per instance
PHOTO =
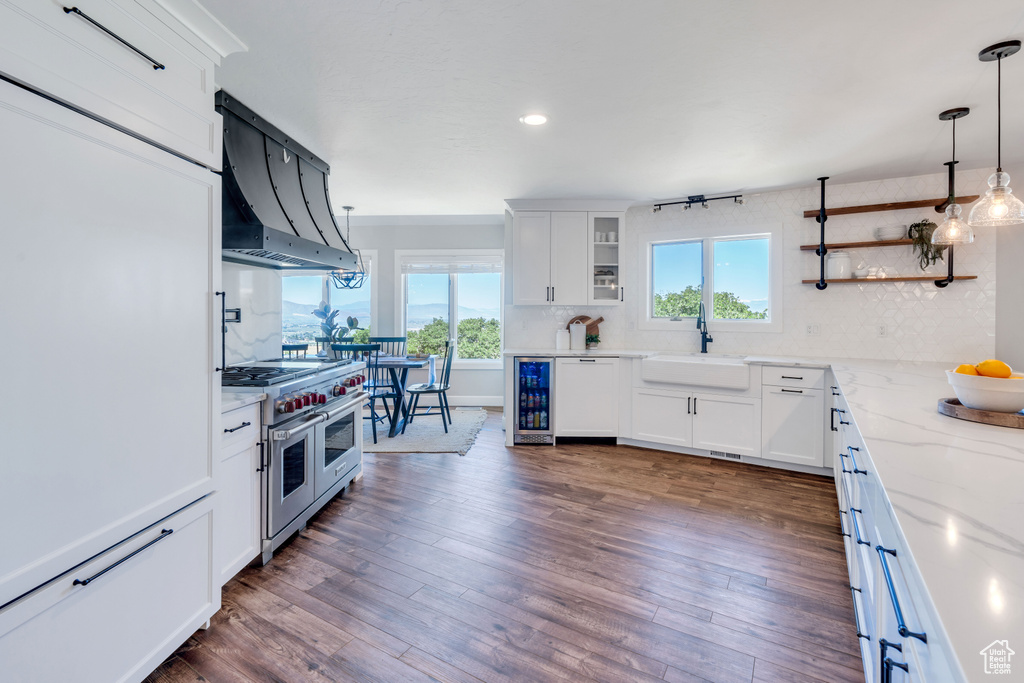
(294, 350)
(390, 346)
(439, 387)
(378, 385)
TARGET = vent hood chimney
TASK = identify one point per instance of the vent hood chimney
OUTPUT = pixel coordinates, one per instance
(275, 205)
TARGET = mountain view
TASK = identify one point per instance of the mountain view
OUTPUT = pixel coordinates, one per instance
(299, 323)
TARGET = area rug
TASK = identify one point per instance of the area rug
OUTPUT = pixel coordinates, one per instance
(426, 435)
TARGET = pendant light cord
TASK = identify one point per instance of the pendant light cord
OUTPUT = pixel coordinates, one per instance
(999, 115)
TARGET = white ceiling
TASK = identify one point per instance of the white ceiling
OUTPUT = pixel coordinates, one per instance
(415, 103)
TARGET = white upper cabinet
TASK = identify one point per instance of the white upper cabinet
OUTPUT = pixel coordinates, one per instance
(566, 257)
(604, 237)
(158, 83)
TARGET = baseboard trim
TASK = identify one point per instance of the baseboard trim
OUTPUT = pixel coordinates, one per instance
(793, 467)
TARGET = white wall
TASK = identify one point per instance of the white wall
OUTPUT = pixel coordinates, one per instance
(1010, 296)
(955, 324)
(385, 234)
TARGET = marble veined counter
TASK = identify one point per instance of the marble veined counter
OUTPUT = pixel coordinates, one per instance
(230, 400)
(956, 490)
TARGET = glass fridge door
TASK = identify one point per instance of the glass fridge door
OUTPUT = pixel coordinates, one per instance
(534, 396)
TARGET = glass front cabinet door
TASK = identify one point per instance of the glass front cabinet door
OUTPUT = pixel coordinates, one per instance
(604, 237)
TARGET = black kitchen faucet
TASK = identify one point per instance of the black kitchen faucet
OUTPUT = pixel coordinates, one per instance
(702, 325)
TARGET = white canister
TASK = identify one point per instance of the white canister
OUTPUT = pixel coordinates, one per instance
(562, 340)
(837, 266)
(577, 336)
(613, 237)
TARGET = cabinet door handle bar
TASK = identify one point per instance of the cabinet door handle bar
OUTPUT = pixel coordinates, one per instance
(164, 533)
(856, 469)
(244, 424)
(157, 66)
(793, 391)
(900, 623)
(789, 377)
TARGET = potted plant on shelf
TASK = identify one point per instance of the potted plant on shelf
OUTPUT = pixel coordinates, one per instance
(927, 253)
(593, 340)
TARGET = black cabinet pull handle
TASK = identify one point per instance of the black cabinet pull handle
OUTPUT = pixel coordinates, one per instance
(835, 391)
(884, 646)
(552, 292)
(622, 293)
(588, 360)
(841, 420)
(856, 470)
(842, 463)
(244, 424)
(793, 391)
(832, 420)
(261, 467)
(688, 399)
(856, 614)
(223, 332)
(788, 377)
(888, 665)
(694, 405)
(157, 66)
(164, 533)
(900, 623)
(856, 527)
(842, 514)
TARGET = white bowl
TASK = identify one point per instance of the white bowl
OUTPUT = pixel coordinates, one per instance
(890, 232)
(989, 393)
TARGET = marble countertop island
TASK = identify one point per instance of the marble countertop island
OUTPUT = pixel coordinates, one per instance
(956, 491)
(230, 400)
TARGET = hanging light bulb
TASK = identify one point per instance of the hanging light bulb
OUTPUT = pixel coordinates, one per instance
(350, 279)
(998, 206)
(954, 230)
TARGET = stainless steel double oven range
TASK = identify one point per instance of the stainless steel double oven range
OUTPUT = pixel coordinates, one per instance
(312, 437)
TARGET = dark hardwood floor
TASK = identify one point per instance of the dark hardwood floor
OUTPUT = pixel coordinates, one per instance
(578, 562)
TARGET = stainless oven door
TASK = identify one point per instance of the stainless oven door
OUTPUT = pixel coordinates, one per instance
(339, 443)
(290, 484)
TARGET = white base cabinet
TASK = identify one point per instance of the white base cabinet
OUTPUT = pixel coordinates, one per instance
(142, 599)
(791, 423)
(725, 424)
(586, 397)
(237, 521)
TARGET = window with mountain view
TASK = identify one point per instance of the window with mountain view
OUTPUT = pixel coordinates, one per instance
(730, 275)
(302, 294)
(453, 297)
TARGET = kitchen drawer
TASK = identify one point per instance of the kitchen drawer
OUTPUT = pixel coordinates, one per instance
(124, 622)
(808, 378)
(243, 434)
(69, 58)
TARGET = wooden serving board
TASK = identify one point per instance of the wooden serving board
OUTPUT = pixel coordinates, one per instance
(953, 408)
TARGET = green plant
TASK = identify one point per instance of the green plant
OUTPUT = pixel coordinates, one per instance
(927, 253)
(332, 331)
(593, 339)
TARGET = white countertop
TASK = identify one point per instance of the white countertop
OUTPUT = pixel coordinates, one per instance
(621, 353)
(230, 400)
(641, 353)
(956, 489)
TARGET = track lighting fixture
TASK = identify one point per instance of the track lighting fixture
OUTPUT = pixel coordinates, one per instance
(698, 199)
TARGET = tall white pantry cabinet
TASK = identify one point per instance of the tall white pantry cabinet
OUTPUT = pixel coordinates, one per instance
(111, 224)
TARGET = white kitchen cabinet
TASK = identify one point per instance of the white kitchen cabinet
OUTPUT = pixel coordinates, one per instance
(237, 519)
(727, 424)
(791, 422)
(663, 416)
(559, 258)
(142, 599)
(69, 58)
(604, 239)
(586, 397)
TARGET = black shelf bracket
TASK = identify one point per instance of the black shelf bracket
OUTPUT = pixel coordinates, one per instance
(822, 249)
(949, 278)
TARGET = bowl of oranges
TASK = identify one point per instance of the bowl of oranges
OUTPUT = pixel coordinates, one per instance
(989, 385)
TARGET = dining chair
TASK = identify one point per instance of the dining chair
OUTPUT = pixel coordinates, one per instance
(390, 346)
(294, 350)
(439, 387)
(378, 385)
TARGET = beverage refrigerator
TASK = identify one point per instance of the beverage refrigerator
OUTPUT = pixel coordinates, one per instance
(534, 398)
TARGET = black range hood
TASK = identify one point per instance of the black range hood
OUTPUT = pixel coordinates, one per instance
(275, 206)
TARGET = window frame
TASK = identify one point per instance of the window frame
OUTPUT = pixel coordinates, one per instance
(708, 239)
(401, 298)
(326, 286)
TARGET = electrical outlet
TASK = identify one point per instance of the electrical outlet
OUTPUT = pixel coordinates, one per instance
(882, 332)
(813, 330)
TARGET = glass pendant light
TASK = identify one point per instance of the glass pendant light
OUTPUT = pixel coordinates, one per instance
(350, 279)
(954, 230)
(998, 206)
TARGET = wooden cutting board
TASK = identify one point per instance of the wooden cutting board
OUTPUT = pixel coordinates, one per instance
(592, 325)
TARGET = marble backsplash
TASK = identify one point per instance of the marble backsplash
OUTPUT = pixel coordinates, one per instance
(257, 292)
(922, 322)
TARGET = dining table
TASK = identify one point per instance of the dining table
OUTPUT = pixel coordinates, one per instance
(398, 370)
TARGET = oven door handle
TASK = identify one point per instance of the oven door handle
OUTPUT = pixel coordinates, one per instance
(349, 405)
(285, 434)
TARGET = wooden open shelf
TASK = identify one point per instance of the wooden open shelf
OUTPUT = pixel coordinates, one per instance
(892, 206)
(911, 278)
(856, 245)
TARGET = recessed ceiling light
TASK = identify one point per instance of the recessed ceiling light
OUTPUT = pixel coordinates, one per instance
(533, 119)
